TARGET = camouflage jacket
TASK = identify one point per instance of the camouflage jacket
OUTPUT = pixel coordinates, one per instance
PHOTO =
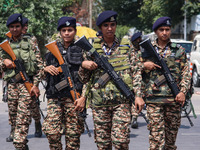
(175, 57)
(108, 95)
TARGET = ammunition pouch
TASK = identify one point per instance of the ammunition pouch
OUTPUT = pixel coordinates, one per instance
(160, 80)
(102, 81)
(61, 85)
(18, 79)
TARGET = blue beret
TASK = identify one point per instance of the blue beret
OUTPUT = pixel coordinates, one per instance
(99, 33)
(135, 36)
(66, 22)
(162, 21)
(14, 18)
(106, 16)
(24, 20)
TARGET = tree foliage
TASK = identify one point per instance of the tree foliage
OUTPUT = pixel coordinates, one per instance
(143, 13)
(121, 31)
(43, 16)
(192, 7)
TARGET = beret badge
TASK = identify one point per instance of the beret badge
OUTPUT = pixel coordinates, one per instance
(19, 19)
(112, 19)
(168, 22)
(67, 23)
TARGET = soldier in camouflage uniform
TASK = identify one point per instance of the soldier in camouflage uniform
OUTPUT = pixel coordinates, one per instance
(111, 110)
(61, 108)
(35, 107)
(163, 110)
(19, 99)
(135, 40)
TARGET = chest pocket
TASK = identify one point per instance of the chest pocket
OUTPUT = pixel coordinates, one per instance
(28, 57)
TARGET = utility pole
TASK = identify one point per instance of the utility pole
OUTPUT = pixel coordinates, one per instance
(185, 23)
(90, 13)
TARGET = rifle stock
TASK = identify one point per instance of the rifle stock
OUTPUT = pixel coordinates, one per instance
(6, 47)
(53, 48)
(8, 34)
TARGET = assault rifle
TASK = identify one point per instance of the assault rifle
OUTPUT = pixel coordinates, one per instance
(103, 63)
(20, 67)
(146, 44)
(64, 67)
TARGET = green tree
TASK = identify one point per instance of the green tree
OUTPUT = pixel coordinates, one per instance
(121, 31)
(192, 7)
(43, 16)
(143, 13)
(127, 10)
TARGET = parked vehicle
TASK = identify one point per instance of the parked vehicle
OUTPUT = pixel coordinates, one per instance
(195, 60)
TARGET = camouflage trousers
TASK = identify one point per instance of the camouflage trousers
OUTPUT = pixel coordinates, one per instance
(61, 112)
(111, 126)
(164, 122)
(19, 105)
(12, 105)
(134, 114)
(12, 109)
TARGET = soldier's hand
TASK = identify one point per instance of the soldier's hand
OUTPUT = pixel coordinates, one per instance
(8, 63)
(79, 104)
(90, 65)
(139, 104)
(52, 70)
(180, 98)
(35, 91)
(149, 65)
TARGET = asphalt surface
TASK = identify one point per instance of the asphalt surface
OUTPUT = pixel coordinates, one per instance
(188, 137)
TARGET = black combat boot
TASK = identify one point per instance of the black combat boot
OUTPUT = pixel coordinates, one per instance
(11, 136)
(38, 129)
(26, 148)
(134, 123)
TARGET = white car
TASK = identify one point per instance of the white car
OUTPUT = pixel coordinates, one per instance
(195, 60)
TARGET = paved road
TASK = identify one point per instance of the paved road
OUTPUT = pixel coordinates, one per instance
(188, 137)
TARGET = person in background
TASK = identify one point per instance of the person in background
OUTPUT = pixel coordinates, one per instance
(99, 34)
(135, 40)
(35, 107)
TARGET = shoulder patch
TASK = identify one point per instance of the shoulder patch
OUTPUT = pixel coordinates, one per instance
(175, 45)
